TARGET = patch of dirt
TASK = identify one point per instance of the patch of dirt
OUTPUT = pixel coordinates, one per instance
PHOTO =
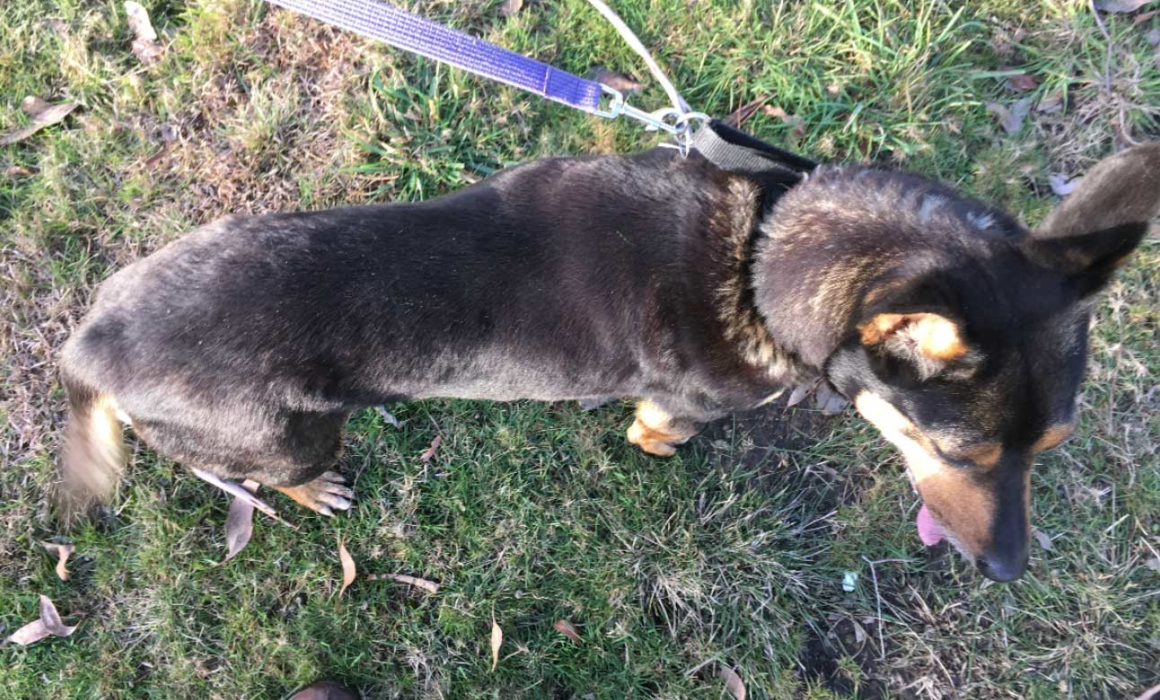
(267, 122)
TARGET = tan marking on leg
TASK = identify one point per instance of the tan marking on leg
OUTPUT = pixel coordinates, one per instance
(325, 494)
(657, 432)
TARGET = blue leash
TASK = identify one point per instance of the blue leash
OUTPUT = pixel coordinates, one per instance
(382, 22)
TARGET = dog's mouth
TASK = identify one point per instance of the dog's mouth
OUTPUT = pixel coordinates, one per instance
(929, 529)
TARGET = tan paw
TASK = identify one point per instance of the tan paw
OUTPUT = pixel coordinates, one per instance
(325, 494)
(650, 441)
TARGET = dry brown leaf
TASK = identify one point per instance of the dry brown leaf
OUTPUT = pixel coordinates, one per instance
(240, 522)
(145, 46)
(830, 402)
(33, 105)
(733, 683)
(1050, 103)
(426, 456)
(798, 124)
(496, 643)
(1062, 186)
(62, 552)
(511, 7)
(799, 394)
(17, 171)
(744, 112)
(1144, 17)
(1011, 119)
(49, 624)
(565, 628)
(1022, 83)
(429, 586)
(616, 81)
(1042, 538)
(52, 115)
(1120, 6)
(348, 568)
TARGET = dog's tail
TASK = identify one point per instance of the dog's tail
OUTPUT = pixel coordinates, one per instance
(94, 457)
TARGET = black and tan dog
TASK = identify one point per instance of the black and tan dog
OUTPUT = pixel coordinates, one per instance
(243, 348)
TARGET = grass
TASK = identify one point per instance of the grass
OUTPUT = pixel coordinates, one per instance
(731, 553)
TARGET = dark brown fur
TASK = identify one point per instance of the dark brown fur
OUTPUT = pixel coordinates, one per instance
(243, 348)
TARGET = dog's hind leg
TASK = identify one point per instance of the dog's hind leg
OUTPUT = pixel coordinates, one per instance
(658, 432)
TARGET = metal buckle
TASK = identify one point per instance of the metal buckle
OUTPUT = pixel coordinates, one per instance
(669, 120)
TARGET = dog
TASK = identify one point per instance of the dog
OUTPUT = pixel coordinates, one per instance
(243, 348)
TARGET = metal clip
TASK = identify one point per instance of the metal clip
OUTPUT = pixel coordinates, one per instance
(669, 120)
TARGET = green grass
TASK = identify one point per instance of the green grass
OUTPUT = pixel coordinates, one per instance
(732, 552)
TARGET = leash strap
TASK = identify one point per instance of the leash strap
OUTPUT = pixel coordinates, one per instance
(736, 151)
(400, 29)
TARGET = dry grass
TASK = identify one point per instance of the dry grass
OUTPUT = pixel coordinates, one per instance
(731, 553)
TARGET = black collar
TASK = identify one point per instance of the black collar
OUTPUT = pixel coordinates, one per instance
(736, 151)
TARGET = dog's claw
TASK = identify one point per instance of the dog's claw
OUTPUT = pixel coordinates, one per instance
(325, 494)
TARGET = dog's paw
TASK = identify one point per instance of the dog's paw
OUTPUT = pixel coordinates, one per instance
(325, 494)
(650, 441)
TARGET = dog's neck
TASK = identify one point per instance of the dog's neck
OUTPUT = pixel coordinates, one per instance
(735, 230)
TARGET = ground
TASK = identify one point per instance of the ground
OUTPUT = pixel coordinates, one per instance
(731, 554)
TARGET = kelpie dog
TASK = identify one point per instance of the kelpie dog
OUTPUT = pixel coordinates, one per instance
(243, 348)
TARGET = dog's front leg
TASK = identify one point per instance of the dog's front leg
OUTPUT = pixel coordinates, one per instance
(658, 432)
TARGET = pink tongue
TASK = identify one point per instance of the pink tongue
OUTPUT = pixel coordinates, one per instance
(929, 531)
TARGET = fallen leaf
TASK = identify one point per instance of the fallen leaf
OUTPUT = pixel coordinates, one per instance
(799, 394)
(1120, 6)
(616, 81)
(240, 522)
(565, 628)
(496, 643)
(389, 417)
(733, 683)
(511, 7)
(744, 112)
(1011, 119)
(426, 456)
(1022, 83)
(1063, 186)
(145, 46)
(52, 115)
(592, 404)
(17, 171)
(1050, 103)
(62, 552)
(429, 586)
(348, 568)
(33, 105)
(830, 402)
(1153, 563)
(798, 124)
(1144, 17)
(1042, 538)
(49, 624)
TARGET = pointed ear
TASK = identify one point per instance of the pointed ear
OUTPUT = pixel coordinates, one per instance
(1101, 223)
(927, 341)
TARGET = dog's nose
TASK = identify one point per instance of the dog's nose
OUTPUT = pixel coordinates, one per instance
(1003, 569)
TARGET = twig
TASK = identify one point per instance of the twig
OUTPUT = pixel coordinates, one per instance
(878, 597)
(237, 491)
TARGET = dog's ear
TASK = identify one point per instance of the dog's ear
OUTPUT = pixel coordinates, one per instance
(927, 342)
(1101, 223)
(911, 330)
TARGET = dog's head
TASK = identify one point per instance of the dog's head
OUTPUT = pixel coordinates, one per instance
(967, 353)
